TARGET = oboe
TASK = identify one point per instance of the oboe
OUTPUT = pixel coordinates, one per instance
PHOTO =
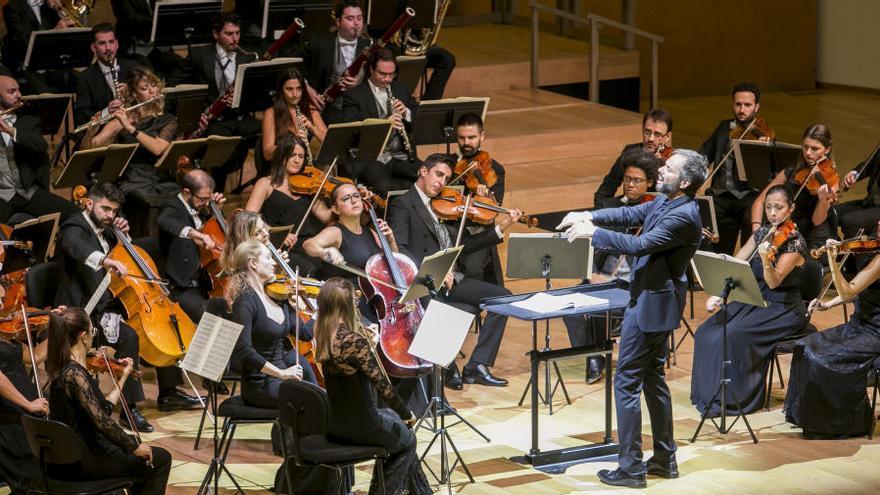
(410, 154)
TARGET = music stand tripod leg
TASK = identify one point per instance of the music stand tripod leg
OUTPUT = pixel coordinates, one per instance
(218, 466)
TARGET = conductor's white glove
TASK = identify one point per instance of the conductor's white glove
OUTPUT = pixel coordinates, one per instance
(580, 229)
(573, 218)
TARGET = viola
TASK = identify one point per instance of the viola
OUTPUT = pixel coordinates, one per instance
(449, 205)
(283, 288)
(13, 282)
(781, 234)
(824, 171)
(12, 322)
(309, 182)
(858, 245)
(756, 130)
(217, 228)
(96, 363)
(664, 152)
(476, 171)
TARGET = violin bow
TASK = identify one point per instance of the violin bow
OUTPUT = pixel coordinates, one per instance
(361, 273)
(830, 282)
(471, 165)
(122, 400)
(295, 310)
(865, 164)
(727, 155)
(467, 206)
(813, 171)
(769, 234)
(314, 199)
(30, 343)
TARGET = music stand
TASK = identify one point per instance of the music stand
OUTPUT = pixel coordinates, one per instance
(187, 102)
(278, 14)
(54, 49)
(435, 119)
(381, 14)
(355, 141)
(726, 277)
(252, 79)
(192, 18)
(41, 233)
(758, 162)
(105, 164)
(51, 108)
(209, 152)
(410, 70)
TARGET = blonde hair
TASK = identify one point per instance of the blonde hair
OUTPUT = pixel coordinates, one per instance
(243, 226)
(138, 74)
(241, 258)
(337, 303)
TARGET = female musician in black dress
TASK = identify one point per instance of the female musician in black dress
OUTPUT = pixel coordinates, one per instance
(76, 400)
(752, 332)
(826, 392)
(354, 377)
(291, 114)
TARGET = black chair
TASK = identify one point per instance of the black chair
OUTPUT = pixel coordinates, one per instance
(41, 284)
(810, 289)
(53, 442)
(875, 371)
(305, 410)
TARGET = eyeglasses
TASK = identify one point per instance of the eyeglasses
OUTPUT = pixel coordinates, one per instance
(648, 133)
(353, 196)
(633, 180)
(203, 199)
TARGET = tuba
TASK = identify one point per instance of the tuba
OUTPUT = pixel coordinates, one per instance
(415, 42)
(76, 10)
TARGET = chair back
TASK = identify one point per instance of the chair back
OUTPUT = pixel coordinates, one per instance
(41, 284)
(812, 286)
(51, 442)
(217, 306)
(303, 407)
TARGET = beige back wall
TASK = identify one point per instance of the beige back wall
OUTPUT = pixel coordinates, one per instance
(847, 43)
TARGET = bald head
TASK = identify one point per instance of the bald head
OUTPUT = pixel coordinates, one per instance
(9, 93)
(197, 181)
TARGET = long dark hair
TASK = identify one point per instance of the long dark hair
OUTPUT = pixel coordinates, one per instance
(286, 146)
(64, 329)
(280, 108)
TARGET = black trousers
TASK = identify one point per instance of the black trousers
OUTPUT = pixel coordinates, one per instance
(41, 203)
(147, 480)
(734, 215)
(380, 178)
(248, 128)
(442, 61)
(264, 393)
(472, 291)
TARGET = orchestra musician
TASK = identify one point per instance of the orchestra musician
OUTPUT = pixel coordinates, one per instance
(76, 400)
(85, 241)
(861, 213)
(670, 236)
(346, 351)
(291, 114)
(101, 87)
(244, 225)
(22, 17)
(733, 197)
(24, 163)
(180, 240)
(420, 233)
(812, 212)
(829, 370)
(656, 133)
(380, 96)
(215, 65)
(752, 331)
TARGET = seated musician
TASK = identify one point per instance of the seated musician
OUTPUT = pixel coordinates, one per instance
(420, 233)
(813, 206)
(291, 114)
(243, 226)
(371, 99)
(180, 240)
(656, 136)
(86, 239)
(215, 65)
(733, 197)
(861, 213)
(144, 185)
(279, 205)
(752, 331)
(826, 391)
(101, 87)
(76, 400)
(21, 18)
(24, 163)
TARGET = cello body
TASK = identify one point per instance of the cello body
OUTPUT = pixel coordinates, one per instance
(210, 258)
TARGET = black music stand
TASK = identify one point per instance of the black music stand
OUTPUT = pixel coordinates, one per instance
(187, 102)
(55, 49)
(382, 14)
(41, 233)
(206, 153)
(278, 14)
(192, 18)
(758, 162)
(105, 164)
(411, 70)
(252, 80)
(354, 141)
(51, 108)
(435, 119)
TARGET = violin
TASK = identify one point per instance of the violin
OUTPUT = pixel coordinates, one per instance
(96, 363)
(664, 152)
(824, 171)
(449, 205)
(12, 323)
(310, 180)
(858, 245)
(283, 288)
(476, 171)
(756, 130)
(781, 234)
(13, 282)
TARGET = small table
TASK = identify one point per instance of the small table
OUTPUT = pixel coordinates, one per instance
(556, 461)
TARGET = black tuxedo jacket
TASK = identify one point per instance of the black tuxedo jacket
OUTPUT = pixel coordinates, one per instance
(78, 241)
(319, 58)
(414, 229)
(198, 68)
(92, 92)
(134, 19)
(714, 148)
(20, 21)
(182, 264)
(31, 155)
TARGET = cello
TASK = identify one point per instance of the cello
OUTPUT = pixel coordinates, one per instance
(217, 228)
(398, 321)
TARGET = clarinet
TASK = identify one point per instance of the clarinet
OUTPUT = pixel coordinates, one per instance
(298, 125)
(114, 76)
(410, 154)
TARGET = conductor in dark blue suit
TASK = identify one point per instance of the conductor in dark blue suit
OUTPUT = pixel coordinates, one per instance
(670, 235)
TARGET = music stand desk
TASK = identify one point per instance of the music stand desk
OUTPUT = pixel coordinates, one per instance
(557, 461)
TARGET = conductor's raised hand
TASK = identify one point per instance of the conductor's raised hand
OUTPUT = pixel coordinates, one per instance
(580, 230)
(713, 303)
(573, 218)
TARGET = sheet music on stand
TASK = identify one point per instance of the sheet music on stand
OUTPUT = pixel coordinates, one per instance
(211, 347)
(441, 333)
(543, 302)
(51, 108)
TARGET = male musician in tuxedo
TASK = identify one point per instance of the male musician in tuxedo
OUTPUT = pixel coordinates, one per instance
(419, 233)
(656, 133)
(101, 86)
(24, 163)
(861, 213)
(733, 196)
(671, 234)
(85, 241)
(180, 240)
(216, 65)
(393, 170)
(22, 17)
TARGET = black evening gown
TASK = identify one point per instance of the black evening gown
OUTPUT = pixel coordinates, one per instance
(281, 210)
(17, 465)
(829, 370)
(752, 332)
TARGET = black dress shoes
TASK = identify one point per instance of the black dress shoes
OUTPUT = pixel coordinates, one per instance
(452, 377)
(480, 374)
(178, 401)
(664, 469)
(621, 478)
(595, 368)
(140, 422)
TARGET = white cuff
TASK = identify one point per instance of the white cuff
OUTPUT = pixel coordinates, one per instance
(499, 232)
(94, 260)
(184, 232)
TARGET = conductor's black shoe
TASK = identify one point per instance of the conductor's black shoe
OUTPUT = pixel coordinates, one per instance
(595, 367)
(452, 378)
(621, 478)
(178, 401)
(664, 469)
(140, 422)
(480, 374)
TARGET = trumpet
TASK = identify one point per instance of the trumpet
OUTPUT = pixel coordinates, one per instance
(407, 145)
(103, 120)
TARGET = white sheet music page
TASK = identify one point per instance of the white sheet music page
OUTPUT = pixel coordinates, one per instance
(211, 347)
(441, 333)
(548, 303)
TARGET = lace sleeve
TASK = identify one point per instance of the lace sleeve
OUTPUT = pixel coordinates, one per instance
(79, 387)
(795, 244)
(355, 350)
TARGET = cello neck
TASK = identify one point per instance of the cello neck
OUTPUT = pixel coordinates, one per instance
(386, 249)
(218, 214)
(142, 265)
